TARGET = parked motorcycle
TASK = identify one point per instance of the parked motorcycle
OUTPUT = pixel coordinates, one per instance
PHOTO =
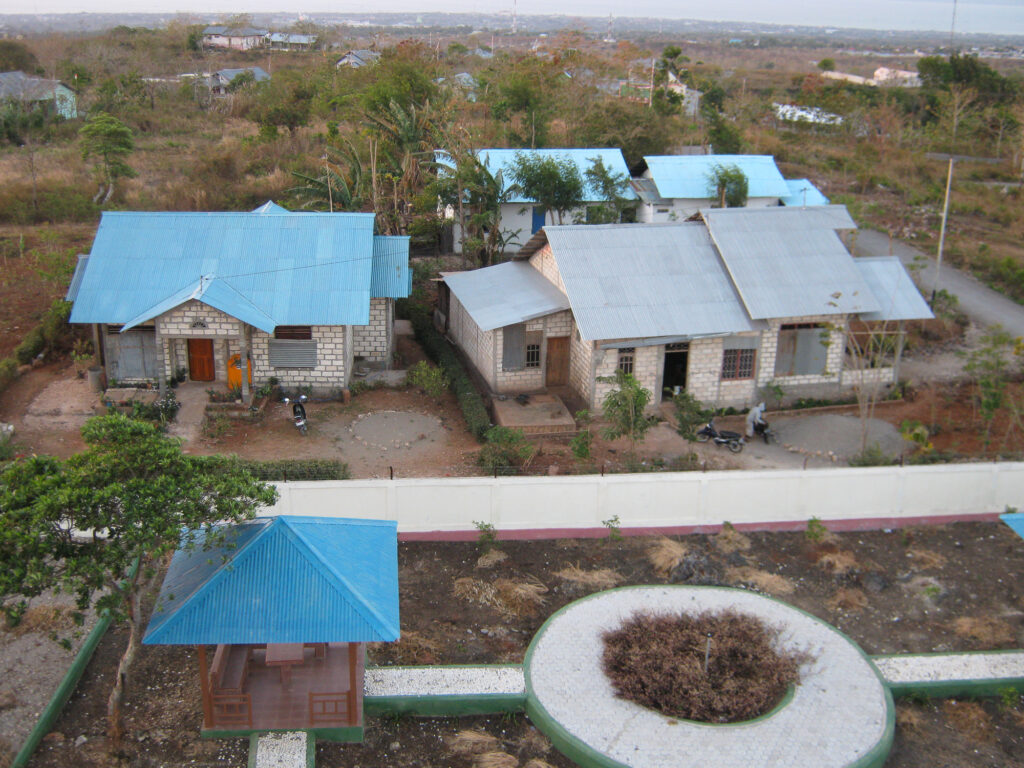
(732, 440)
(764, 430)
(298, 413)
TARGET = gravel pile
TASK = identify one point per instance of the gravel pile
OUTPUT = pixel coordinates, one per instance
(951, 666)
(840, 434)
(442, 681)
(281, 750)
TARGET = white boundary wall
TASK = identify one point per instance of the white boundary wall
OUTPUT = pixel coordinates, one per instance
(663, 500)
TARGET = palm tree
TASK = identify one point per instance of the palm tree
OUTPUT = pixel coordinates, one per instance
(340, 186)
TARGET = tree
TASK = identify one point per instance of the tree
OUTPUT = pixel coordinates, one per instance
(624, 408)
(285, 101)
(988, 366)
(554, 182)
(632, 127)
(17, 56)
(341, 186)
(728, 184)
(827, 65)
(107, 141)
(725, 138)
(610, 187)
(690, 415)
(98, 524)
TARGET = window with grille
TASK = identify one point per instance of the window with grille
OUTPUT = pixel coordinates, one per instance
(294, 332)
(738, 363)
(627, 356)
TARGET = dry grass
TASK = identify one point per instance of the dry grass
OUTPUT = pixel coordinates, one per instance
(491, 558)
(848, 599)
(415, 648)
(472, 743)
(535, 763)
(475, 591)
(838, 563)
(772, 583)
(666, 555)
(598, 578)
(969, 718)
(729, 540)
(495, 759)
(535, 741)
(986, 632)
(925, 559)
(42, 619)
(521, 598)
(909, 720)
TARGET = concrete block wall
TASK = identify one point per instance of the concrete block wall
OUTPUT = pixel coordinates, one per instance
(544, 262)
(373, 341)
(833, 361)
(581, 356)
(476, 344)
(330, 373)
(647, 363)
(531, 379)
(195, 320)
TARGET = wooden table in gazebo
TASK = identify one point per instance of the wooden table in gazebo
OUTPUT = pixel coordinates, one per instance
(280, 610)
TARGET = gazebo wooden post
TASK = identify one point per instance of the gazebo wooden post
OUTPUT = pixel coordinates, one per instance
(353, 662)
(204, 684)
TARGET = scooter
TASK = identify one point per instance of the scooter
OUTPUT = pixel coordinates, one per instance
(298, 413)
(732, 440)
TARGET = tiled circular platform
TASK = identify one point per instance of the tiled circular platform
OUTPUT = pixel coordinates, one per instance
(840, 715)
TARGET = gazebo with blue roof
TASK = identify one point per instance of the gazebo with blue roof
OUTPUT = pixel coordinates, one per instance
(289, 602)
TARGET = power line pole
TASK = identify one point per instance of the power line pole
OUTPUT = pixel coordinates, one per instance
(942, 230)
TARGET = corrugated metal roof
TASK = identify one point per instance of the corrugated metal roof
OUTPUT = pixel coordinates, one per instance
(789, 262)
(18, 85)
(1016, 522)
(259, 74)
(686, 176)
(897, 296)
(503, 160)
(390, 276)
(802, 194)
(283, 580)
(635, 281)
(270, 207)
(309, 269)
(505, 294)
(76, 278)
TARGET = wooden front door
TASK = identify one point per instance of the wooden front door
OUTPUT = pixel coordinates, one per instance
(200, 359)
(557, 374)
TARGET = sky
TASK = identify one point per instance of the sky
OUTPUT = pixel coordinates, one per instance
(992, 16)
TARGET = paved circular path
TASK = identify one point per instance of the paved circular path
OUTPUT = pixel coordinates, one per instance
(840, 715)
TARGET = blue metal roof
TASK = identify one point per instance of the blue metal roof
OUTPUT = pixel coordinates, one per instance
(282, 580)
(270, 207)
(503, 160)
(390, 276)
(1016, 522)
(803, 194)
(76, 278)
(268, 270)
(259, 74)
(687, 176)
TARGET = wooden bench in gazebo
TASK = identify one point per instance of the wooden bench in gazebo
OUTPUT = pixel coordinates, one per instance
(286, 606)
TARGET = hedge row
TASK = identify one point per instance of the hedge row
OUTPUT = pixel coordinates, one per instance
(441, 352)
(297, 469)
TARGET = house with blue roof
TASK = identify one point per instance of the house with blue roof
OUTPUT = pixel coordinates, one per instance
(521, 214)
(676, 187)
(280, 610)
(303, 297)
(221, 79)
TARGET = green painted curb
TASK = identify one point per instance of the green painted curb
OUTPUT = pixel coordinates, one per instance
(455, 705)
(968, 687)
(60, 697)
(310, 750)
(254, 742)
(351, 735)
(588, 757)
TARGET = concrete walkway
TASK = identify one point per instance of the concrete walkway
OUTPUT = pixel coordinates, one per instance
(188, 423)
(979, 302)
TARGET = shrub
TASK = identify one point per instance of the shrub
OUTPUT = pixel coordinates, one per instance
(505, 450)
(30, 346)
(429, 378)
(160, 412)
(298, 469)
(872, 456)
(55, 329)
(8, 372)
(442, 353)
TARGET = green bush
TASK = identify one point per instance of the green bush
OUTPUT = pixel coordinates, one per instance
(872, 456)
(505, 451)
(429, 378)
(56, 331)
(8, 372)
(442, 353)
(30, 346)
(298, 469)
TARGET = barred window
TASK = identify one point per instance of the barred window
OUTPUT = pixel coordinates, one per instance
(627, 356)
(533, 355)
(738, 363)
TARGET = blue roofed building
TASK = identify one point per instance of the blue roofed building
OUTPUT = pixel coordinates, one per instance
(287, 604)
(236, 38)
(222, 78)
(676, 187)
(303, 296)
(803, 193)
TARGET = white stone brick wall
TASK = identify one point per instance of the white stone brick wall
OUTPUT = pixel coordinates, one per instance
(647, 363)
(175, 327)
(581, 356)
(330, 373)
(833, 360)
(544, 262)
(477, 345)
(531, 379)
(855, 378)
(373, 341)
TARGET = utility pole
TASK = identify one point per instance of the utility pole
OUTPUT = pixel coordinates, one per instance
(942, 231)
(650, 95)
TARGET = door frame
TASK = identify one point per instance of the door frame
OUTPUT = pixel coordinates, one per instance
(547, 362)
(197, 343)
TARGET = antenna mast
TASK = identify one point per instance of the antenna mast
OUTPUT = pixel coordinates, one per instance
(514, 19)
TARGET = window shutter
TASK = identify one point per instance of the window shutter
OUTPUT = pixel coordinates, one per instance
(513, 347)
(292, 354)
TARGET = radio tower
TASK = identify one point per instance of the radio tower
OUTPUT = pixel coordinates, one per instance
(514, 20)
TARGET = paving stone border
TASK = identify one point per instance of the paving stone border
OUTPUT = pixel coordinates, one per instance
(445, 691)
(943, 675)
(841, 714)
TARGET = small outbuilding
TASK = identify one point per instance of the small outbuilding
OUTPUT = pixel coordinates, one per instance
(280, 610)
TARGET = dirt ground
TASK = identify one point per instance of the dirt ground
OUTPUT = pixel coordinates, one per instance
(944, 588)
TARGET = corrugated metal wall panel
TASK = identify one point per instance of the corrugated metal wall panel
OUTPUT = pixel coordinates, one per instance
(291, 353)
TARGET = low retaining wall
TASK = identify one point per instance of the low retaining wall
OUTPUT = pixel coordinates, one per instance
(670, 502)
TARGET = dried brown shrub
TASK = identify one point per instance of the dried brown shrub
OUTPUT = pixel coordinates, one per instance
(848, 599)
(473, 742)
(926, 559)
(909, 720)
(666, 555)
(495, 760)
(491, 558)
(598, 578)
(414, 648)
(475, 591)
(535, 763)
(729, 540)
(657, 661)
(42, 619)
(534, 742)
(986, 632)
(969, 718)
(838, 563)
(520, 598)
(772, 583)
